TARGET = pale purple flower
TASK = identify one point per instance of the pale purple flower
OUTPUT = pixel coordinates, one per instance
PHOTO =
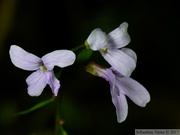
(43, 67)
(120, 87)
(109, 45)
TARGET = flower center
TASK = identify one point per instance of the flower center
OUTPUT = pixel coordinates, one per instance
(43, 67)
(104, 50)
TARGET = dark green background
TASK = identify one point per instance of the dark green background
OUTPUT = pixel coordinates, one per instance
(41, 27)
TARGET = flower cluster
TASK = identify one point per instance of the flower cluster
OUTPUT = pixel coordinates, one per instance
(122, 61)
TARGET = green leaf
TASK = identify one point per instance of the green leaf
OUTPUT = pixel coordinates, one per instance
(37, 106)
(85, 54)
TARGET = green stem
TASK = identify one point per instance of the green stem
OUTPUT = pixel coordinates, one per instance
(78, 47)
(57, 117)
(58, 125)
(35, 107)
(58, 121)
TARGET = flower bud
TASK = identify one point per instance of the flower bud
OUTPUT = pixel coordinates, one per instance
(95, 69)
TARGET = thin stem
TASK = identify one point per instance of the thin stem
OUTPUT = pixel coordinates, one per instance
(37, 106)
(57, 117)
(78, 47)
(58, 123)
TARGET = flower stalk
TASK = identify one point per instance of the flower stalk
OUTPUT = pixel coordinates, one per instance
(35, 107)
(59, 130)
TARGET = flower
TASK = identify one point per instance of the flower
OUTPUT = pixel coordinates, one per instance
(109, 45)
(44, 73)
(120, 87)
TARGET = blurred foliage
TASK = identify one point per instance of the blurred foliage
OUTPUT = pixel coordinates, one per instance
(85, 103)
(7, 8)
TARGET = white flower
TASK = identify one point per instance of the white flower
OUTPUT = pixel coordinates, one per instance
(44, 73)
(109, 45)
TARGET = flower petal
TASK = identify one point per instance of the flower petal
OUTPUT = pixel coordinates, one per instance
(134, 90)
(97, 39)
(130, 53)
(61, 58)
(53, 82)
(106, 74)
(36, 83)
(121, 106)
(24, 60)
(120, 61)
(110, 76)
(119, 37)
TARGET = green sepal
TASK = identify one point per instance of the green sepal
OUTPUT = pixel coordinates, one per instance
(87, 45)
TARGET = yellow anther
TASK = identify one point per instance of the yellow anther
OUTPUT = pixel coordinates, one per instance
(104, 50)
(44, 68)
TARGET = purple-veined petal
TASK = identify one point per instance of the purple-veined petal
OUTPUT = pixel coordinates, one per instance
(121, 106)
(134, 90)
(97, 39)
(36, 83)
(119, 37)
(130, 53)
(53, 82)
(106, 74)
(110, 76)
(61, 58)
(24, 60)
(120, 61)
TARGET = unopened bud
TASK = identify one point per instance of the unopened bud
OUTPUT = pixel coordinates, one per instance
(95, 69)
